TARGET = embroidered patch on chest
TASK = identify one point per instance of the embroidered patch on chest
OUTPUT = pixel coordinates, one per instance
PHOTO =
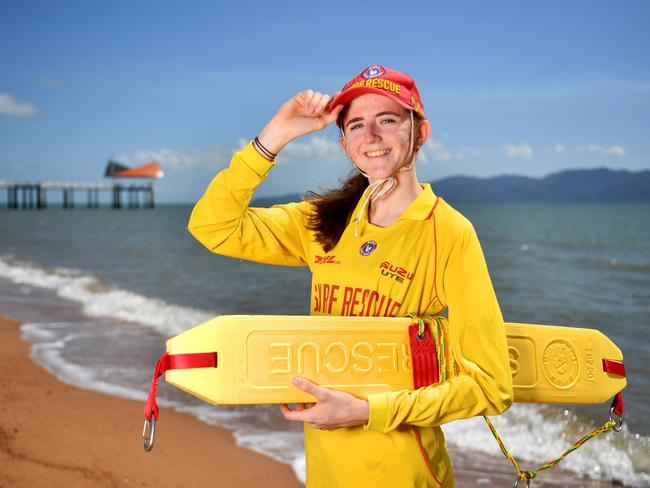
(367, 248)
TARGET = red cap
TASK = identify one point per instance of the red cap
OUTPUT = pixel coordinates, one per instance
(382, 81)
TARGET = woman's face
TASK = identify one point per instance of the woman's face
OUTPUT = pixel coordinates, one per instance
(377, 135)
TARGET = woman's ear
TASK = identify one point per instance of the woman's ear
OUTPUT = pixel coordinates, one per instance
(343, 144)
(424, 132)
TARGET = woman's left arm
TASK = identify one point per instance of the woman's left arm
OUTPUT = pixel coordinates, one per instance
(483, 385)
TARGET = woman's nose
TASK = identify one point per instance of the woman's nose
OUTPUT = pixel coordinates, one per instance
(370, 134)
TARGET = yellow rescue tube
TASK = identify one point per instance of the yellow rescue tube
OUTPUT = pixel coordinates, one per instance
(258, 355)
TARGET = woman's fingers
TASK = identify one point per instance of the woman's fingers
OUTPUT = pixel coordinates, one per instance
(322, 103)
(304, 113)
(313, 102)
(305, 385)
(316, 102)
(299, 407)
(304, 98)
(333, 115)
(298, 414)
(286, 411)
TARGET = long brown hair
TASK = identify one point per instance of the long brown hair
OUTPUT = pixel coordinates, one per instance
(333, 208)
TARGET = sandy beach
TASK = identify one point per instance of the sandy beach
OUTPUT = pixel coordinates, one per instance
(53, 434)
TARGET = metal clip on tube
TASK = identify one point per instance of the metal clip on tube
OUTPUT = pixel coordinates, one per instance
(148, 439)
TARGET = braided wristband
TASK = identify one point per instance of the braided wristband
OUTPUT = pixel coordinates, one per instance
(264, 152)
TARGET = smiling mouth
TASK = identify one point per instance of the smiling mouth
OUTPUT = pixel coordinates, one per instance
(377, 154)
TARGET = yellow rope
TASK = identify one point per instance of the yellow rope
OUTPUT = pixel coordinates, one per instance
(443, 354)
(529, 475)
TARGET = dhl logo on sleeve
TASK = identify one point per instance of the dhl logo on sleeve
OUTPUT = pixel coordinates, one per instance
(329, 259)
(380, 83)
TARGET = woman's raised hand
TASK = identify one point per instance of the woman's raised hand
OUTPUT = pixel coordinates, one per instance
(305, 113)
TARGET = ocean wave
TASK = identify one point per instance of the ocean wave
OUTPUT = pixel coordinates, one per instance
(100, 299)
(535, 434)
(47, 350)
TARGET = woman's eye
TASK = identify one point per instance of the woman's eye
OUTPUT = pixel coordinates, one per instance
(354, 126)
(387, 121)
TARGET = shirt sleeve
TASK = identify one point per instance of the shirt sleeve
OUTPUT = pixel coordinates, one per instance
(483, 385)
(224, 223)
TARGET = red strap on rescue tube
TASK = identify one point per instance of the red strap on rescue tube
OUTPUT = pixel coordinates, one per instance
(617, 368)
(617, 404)
(175, 361)
(614, 367)
(423, 357)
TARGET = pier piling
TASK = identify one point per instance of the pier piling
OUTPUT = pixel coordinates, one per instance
(35, 195)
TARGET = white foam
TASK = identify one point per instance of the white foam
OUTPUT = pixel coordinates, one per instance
(535, 434)
(100, 300)
(47, 351)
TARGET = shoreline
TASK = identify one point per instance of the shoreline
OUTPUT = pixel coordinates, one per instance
(53, 434)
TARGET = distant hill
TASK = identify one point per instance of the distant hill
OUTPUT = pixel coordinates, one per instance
(577, 185)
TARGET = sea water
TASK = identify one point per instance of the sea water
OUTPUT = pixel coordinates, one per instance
(99, 290)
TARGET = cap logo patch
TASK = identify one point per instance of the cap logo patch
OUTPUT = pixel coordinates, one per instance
(367, 248)
(373, 72)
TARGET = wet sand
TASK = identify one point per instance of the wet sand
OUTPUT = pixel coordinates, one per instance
(53, 434)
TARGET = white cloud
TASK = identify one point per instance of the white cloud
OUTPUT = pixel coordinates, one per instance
(467, 152)
(434, 150)
(326, 149)
(10, 106)
(607, 151)
(178, 160)
(617, 151)
(316, 148)
(521, 151)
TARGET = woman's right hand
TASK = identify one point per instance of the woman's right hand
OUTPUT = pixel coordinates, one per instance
(303, 114)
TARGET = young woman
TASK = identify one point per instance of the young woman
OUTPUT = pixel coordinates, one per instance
(381, 245)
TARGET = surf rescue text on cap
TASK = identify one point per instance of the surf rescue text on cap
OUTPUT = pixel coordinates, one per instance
(382, 81)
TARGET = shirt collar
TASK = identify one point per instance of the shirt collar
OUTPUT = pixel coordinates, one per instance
(419, 209)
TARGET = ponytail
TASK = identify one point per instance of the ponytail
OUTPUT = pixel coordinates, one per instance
(333, 209)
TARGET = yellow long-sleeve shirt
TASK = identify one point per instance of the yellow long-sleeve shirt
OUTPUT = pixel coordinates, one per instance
(428, 261)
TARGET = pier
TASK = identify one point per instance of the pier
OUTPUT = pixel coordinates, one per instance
(35, 195)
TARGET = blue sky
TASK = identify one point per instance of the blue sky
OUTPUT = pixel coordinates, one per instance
(515, 87)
